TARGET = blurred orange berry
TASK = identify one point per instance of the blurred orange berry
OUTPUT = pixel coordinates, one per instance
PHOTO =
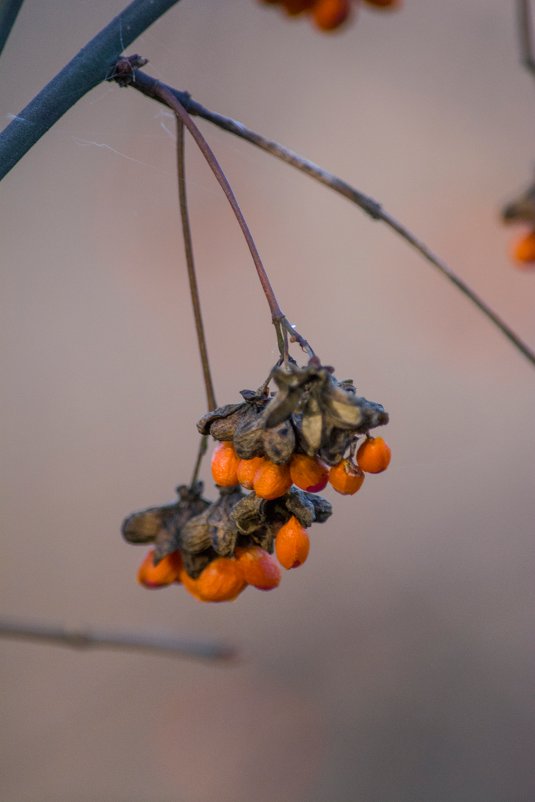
(523, 250)
(384, 3)
(330, 14)
(308, 473)
(294, 7)
(221, 580)
(292, 544)
(258, 567)
(345, 478)
(225, 465)
(247, 469)
(374, 455)
(271, 481)
(158, 576)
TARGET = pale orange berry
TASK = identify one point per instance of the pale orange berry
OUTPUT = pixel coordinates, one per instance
(330, 14)
(258, 567)
(345, 478)
(523, 250)
(225, 465)
(374, 455)
(221, 580)
(247, 469)
(292, 544)
(308, 473)
(271, 481)
(158, 576)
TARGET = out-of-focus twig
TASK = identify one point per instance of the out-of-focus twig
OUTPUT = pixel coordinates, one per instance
(8, 14)
(118, 641)
(525, 34)
(159, 91)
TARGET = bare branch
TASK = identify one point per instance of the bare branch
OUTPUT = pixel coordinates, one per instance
(8, 14)
(525, 34)
(118, 641)
(145, 84)
(92, 65)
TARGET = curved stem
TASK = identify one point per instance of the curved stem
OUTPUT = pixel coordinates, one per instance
(8, 14)
(192, 277)
(92, 65)
(373, 208)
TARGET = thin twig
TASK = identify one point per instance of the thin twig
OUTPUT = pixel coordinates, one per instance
(119, 641)
(525, 34)
(8, 14)
(192, 276)
(373, 208)
(93, 64)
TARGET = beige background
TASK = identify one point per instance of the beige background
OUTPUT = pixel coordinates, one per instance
(397, 665)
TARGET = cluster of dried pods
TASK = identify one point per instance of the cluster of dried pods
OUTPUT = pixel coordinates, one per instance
(328, 15)
(283, 448)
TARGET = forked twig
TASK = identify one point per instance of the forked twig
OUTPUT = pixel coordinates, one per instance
(118, 641)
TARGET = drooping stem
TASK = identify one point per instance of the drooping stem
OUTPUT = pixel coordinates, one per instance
(161, 92)
(373, 208)
(192, 277)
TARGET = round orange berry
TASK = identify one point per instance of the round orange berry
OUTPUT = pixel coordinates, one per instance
(158, 576)
(308, 473)
(330, 14)
(292, 544)
(247, 469)
(221, 580)
(373, 455)
(271, 480)
(523, 250)
(225, 465)
(345, 478)
(258, 567)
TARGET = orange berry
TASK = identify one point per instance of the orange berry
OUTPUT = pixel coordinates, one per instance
(345, 478)
(158, 576)
(272, 481)
(330, 14)
(292, 544)
(247, 469)
(221, 580)
(523, 250)
(308, 473)
(374, 455)
(225, 465)
(258, 567)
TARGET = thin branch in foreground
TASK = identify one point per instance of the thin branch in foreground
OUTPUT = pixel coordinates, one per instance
(145, 84)
(525, 34)
(92, 65)
(117, 641)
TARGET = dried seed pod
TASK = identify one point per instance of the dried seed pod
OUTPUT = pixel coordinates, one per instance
(196, 535)
(143, 527)
(248, 437)
(194, 564)
(279, 442)
(292, 544)
(221, 414)
(298, 503)
(335, 444)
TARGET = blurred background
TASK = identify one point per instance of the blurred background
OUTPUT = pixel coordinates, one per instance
(397, 665)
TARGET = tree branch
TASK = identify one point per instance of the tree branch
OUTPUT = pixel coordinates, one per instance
(92, 65)
(118, 641)
(145, 84)
(525, 35)
(8, 14)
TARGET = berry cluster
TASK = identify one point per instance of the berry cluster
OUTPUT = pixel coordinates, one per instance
(282, 448)
(328, 15)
